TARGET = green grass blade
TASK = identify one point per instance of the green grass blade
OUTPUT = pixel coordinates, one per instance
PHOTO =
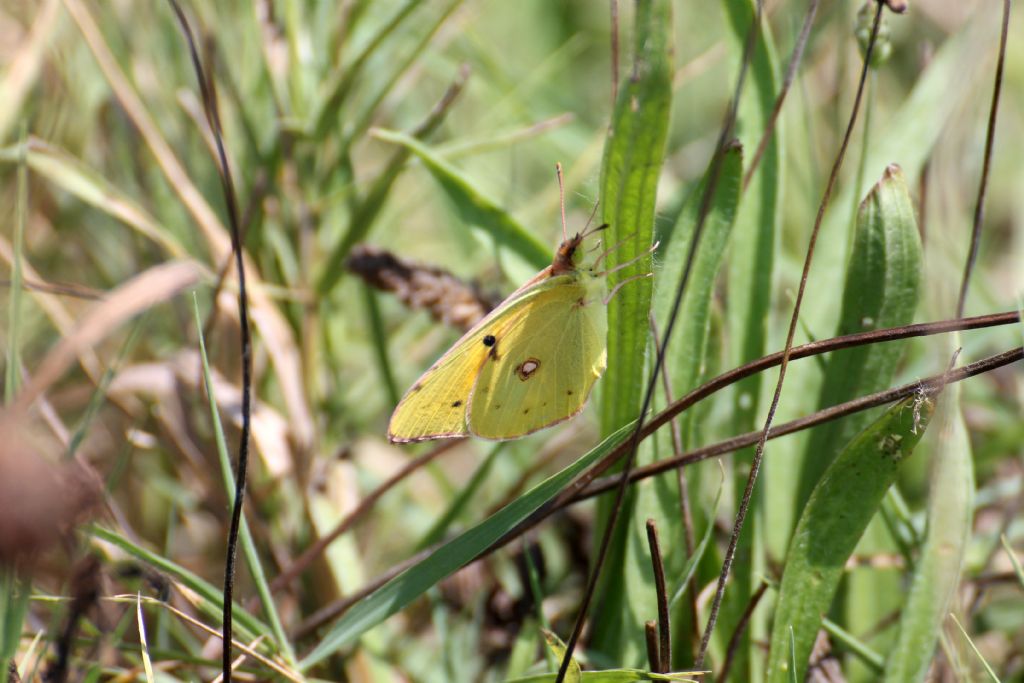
(937, 573)
(474, 208)
(686, 352)
(73, 176)
(847, 641)
(883, 280)
(413, 582)
(14, 595)
(252, 556)
(574, 674)
(834, 519)
(751, 263)
(210, 600)
(632, 161)
(12, 376)
(1014, 560)
(633, 155)
(984, 662)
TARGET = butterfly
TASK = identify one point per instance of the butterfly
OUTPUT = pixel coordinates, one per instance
(527, 365)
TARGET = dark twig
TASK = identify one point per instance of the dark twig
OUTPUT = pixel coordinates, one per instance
(664, 663)
(755, 464)
(684, 496)
(787, 81)
(228, 188)
(651, 638)
(990, 134)
(741, 626)
(634, 442)
(930, 385)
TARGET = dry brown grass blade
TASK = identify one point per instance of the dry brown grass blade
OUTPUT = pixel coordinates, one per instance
(166, 382)
(142, 292)
(54, 308)
(23, 70)
(280, 342)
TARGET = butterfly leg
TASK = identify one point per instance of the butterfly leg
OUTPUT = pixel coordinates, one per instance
(623, 283)
(628, 263)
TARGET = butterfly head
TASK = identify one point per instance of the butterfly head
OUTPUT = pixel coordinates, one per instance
(569, 254)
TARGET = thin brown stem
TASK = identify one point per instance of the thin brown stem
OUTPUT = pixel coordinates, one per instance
(684, 494)
(787, 81)
(990, 134)
(930, 385)
(741, 626)
(755, 464)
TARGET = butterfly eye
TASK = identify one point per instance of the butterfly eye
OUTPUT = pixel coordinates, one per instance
(489, 340)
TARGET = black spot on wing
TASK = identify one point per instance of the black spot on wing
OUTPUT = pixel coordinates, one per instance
(490, 340)
(456, 404)
(569, 392)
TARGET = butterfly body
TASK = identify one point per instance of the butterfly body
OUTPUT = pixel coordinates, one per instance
(529, 364)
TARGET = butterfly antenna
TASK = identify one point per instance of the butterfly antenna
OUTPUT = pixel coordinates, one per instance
(622, 284)
(593, 213)
(561, 199)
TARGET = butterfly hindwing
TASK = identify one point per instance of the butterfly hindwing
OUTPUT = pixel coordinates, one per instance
(542, 368)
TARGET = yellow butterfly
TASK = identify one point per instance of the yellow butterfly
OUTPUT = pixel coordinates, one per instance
(529, 364)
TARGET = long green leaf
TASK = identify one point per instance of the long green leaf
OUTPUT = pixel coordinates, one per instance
(883, 280)
(633, 155)
(937, 574)
(751, 263)
(410, 584)
(835, 517)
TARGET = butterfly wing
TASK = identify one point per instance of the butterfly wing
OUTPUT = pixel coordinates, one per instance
(543, 366)
(435, 406)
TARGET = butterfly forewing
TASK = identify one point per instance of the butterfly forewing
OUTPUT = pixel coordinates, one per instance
(435, 406)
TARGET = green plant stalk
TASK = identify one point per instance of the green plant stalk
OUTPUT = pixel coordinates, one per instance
(849, 642)
(750, 273)
(685, 360)
(633, 153)
(13, 370)
(974, 648)
(842, 504)
(15, 590)
(248, 545)
(379, 339)
(937, 572)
